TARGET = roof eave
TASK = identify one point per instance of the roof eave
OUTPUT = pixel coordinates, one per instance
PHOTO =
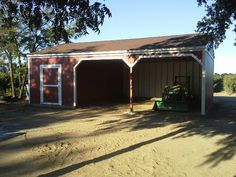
(120, 52)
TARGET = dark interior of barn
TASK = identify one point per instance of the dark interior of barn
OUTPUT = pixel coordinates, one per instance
(100, 82)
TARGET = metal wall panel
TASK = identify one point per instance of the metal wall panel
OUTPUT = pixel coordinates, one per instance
(196, 83)
(158, 81)
(209, 79)
(189, 72)
(170, 74)
(150, 78)
(164, 75)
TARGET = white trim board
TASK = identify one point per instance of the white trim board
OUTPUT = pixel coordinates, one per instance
(42, 85)
(210, 51)
(167, 55)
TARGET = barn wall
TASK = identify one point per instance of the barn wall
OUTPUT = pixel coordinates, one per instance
(209, 66)
(150, 78)
(67, 78)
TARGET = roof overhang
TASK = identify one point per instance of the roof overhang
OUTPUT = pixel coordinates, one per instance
(120, 52)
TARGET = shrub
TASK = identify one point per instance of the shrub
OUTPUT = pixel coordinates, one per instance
(4, 81)
(218, 83)
(230, 83)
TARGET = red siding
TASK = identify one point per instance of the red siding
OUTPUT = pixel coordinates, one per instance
(67, 78)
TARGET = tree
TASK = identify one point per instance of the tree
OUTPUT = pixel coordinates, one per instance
(221, 14)
(4, 77)
(217, 82)
(230, 83)
(8, 47)
(57, 20)
(29, 25)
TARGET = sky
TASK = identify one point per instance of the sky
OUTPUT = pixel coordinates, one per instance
(136, 19)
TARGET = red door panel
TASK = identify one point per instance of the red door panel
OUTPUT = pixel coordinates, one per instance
(50, 84)
(50, 94)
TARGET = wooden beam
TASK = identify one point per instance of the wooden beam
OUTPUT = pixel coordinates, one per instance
(131, 89)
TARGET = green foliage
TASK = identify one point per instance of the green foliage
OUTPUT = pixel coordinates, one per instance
(230, 83)
(4, 81)
(217, 77)
(38, 24)
(221, 14)
(226, 82)
(218, 82)
(30, 25)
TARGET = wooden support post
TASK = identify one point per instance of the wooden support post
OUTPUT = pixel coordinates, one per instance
(131, 89)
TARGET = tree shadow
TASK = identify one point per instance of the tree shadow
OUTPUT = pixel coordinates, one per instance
(143, 120)
(226, 152)
(220, 121)
(17, 118)
(77, 166)
(70, 48)
(176, 41)
(51, 151)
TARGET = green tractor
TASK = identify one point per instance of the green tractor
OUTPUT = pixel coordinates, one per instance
(176, 97)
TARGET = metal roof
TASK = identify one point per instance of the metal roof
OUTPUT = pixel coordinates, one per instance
(162, 42)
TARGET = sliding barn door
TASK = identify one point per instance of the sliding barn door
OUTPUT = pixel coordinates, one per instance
(50, 84)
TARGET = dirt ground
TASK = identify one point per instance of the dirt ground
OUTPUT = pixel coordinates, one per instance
(105, 141)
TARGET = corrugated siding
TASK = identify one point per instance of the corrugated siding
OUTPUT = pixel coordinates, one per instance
(209, 79)
(150, 78)
(196, 80)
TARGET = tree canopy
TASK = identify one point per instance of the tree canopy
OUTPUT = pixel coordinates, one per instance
(220, 15)
(29, 25)
(41, 22)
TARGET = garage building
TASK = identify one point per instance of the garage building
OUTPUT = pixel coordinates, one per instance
(93, 72)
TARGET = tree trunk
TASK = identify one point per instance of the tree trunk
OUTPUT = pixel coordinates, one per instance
(9, 56)
(19, 71)
(22, 85)
(20, 79)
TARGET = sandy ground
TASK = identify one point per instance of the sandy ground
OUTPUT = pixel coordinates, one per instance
(103, 141)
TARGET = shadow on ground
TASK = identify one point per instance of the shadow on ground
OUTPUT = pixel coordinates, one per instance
(221, 120)
(18, 117)
(52, 151)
